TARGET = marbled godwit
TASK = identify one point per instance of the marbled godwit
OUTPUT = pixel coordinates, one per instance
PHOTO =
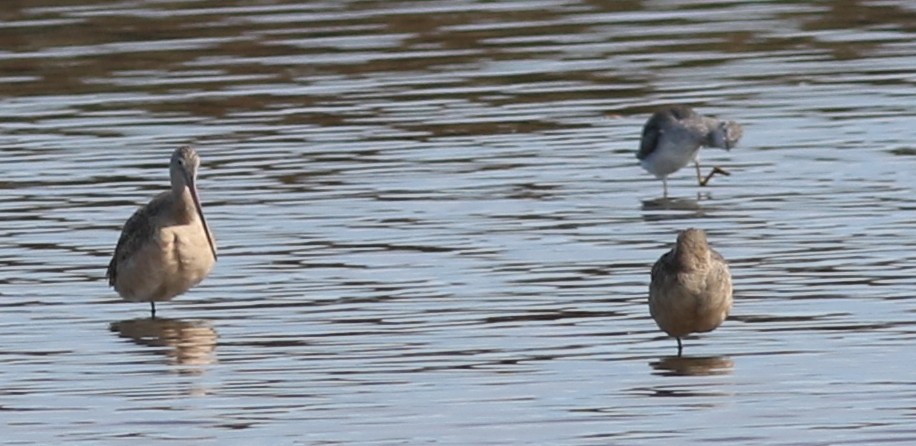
(165, 247)
(691, 287)
(672, 138)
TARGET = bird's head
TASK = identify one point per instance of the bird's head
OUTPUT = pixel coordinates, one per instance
(726, 135)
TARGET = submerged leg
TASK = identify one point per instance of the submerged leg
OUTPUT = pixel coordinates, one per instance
(665, 187)
(152, 309)
(680, 347)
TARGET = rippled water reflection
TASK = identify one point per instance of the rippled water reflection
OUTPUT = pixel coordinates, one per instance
(433, 228)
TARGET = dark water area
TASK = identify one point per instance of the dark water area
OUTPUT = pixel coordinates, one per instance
(433, 228)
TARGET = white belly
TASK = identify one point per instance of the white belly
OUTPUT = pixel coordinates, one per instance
(668, 158)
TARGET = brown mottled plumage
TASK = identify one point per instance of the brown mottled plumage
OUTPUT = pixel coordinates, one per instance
(165, 247)
(691, 287)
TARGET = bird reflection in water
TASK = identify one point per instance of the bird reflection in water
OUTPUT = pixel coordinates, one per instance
(188, 342)
(693, 366)
(673, 204)
(685, 207)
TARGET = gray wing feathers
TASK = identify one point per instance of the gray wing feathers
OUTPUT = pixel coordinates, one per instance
(650, 135)
(655, 127)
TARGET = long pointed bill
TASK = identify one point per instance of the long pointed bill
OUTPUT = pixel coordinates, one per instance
(192, 186)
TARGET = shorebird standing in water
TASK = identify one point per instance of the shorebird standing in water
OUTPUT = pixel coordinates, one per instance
(691, 287)
(165, 247)
(672, 138)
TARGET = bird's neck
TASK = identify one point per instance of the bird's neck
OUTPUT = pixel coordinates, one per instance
(185, 211)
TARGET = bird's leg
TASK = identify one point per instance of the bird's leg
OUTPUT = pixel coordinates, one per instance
(679, 346)
(665, 187)
(715, 170)
(152, 309)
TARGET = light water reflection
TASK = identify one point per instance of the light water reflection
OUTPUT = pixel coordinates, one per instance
(189, 343)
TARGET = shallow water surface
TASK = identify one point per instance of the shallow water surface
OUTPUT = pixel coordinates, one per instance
(433, 228)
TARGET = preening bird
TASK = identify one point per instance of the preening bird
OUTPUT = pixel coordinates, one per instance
(672, 138)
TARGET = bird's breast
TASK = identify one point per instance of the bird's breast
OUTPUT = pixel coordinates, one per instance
(188, 257)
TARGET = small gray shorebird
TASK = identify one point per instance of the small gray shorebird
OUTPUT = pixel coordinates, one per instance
(165, 247)
(691, 288)
(672, 138)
